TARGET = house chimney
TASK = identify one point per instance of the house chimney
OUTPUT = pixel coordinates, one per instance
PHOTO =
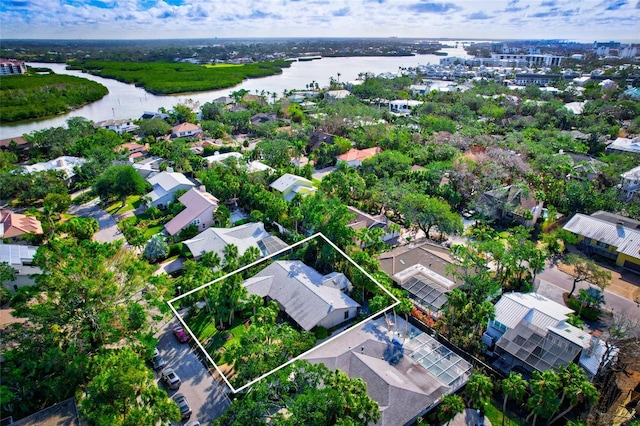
(202, 188)
(60, 162)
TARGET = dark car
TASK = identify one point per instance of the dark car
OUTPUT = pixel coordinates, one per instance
(183, 405)
(158, 361)
(171, 378)
(182, 335)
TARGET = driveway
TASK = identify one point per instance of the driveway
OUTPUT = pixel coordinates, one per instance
(108, 226)
(207, 397)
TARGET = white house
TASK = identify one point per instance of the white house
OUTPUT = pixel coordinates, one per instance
(65, 164)
(289, 185)
(531, 332)
(118, 126)
(630, 183)
(308, 297)
(403, 106)
(243, 237)
(165, 185)
(185, 130)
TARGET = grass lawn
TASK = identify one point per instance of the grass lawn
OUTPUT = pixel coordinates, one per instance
(153, 230)
(212, 338)
(133, 201)
(222, 65)
(495, 415)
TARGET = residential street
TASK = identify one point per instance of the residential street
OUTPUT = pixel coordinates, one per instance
(207, 397)
(554, 282)
(108, 226)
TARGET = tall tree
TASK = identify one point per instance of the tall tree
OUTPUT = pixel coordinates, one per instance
(304, 394)
(514, 387)
(479, 389)
(586, 270)
(123, 392)
(449, 407)
(120, 181)
(544, 400)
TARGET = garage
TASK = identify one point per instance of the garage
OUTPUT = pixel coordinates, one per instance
(633, 267)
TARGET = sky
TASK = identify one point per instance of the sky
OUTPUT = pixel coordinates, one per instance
(575, 20)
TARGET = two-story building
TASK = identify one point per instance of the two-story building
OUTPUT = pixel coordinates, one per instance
(118, 126)
(530, 333)
(608, 235)
(630, 183)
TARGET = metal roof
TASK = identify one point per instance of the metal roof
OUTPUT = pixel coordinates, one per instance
(16, 254)
(597, 229)
(512, 308)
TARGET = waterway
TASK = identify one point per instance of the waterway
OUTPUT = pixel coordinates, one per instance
(125, 101)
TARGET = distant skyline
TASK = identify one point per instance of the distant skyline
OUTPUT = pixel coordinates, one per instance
(584, 21)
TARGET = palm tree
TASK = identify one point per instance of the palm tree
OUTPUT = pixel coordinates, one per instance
(576, 387)
(449, 407)
(544, 394)
(479, 390)
(513, 387)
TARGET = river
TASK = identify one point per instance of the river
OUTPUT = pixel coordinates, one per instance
(126, 101)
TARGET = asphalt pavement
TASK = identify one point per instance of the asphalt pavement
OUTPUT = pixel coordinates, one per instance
(109, 230)
(206, 396)
(554, 282)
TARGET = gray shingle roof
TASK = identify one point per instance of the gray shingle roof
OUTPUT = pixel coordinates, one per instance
(300, 290)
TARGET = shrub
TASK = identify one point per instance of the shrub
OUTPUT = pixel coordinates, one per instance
(321, 332)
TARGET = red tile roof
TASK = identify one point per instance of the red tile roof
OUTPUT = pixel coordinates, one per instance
(15, 224)
(359, 154)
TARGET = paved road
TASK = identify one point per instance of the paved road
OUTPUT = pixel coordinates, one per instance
(205, 395)
(108, 226)
(554, 282)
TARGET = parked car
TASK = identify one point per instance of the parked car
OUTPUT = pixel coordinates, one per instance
(183, 405)
(193, 423)
(182, 335)
(158, 361)
(171, 378)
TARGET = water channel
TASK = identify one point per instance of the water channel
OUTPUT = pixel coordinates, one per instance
(126, 101)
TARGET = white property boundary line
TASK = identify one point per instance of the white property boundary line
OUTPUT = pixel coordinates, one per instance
(208, 356)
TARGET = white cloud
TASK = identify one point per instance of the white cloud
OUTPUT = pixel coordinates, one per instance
(127, 19)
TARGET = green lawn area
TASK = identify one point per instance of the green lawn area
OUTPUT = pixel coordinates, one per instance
(222, 65)
(493, 411)
(133, 201)
(212, 338)
(153, 230)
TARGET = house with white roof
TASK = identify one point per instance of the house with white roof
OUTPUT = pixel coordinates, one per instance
(199, 209)
(306, 296)
(530, 332)
(20, 258)
(219, 158)
(403, 106)
(65, 164)
(630, 183)
(608, 235)
(289, 185)
(164, 186)
(407, 372)
(243, 237)
(118, 126)
(623, 145)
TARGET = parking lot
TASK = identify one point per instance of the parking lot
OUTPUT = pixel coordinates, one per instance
(207, 398)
